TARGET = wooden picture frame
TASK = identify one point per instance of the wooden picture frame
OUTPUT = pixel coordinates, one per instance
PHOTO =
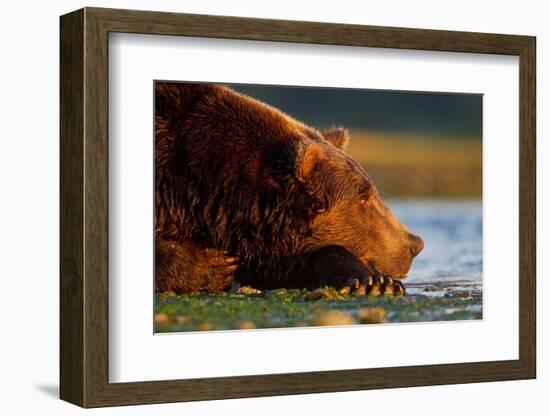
(84, 207)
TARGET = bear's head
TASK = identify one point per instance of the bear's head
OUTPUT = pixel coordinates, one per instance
(349, 209)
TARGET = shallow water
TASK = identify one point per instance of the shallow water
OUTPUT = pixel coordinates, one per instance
(452, 257)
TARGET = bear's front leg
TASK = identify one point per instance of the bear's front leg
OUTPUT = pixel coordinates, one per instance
(335, 266)
(186, 267)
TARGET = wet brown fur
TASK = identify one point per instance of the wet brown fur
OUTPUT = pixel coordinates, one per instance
(237, 178)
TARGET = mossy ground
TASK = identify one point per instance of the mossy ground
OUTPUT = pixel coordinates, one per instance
(299, 308)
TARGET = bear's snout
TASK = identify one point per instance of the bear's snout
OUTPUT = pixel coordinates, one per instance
(416, 244)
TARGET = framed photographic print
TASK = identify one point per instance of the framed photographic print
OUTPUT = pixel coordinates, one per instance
(260, 207)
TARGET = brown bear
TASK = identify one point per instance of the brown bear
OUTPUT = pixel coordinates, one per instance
(245, 192)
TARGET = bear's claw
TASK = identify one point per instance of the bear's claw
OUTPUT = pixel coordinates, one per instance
(376, 286)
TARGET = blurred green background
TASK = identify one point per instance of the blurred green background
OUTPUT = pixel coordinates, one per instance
(413, 144)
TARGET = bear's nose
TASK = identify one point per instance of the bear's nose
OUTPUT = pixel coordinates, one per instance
(416, 244)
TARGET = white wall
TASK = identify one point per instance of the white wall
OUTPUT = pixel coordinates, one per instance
(29, 205)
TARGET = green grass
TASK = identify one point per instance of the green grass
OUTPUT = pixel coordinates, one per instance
(296, 308)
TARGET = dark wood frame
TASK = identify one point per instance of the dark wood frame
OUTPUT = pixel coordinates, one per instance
(84, 210)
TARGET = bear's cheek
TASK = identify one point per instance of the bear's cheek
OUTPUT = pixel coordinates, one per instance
(344, 226)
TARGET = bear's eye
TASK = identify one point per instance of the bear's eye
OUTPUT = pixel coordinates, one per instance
(364, 199)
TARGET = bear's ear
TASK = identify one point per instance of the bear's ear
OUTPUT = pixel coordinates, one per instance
(337, 136)
(307, 156)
